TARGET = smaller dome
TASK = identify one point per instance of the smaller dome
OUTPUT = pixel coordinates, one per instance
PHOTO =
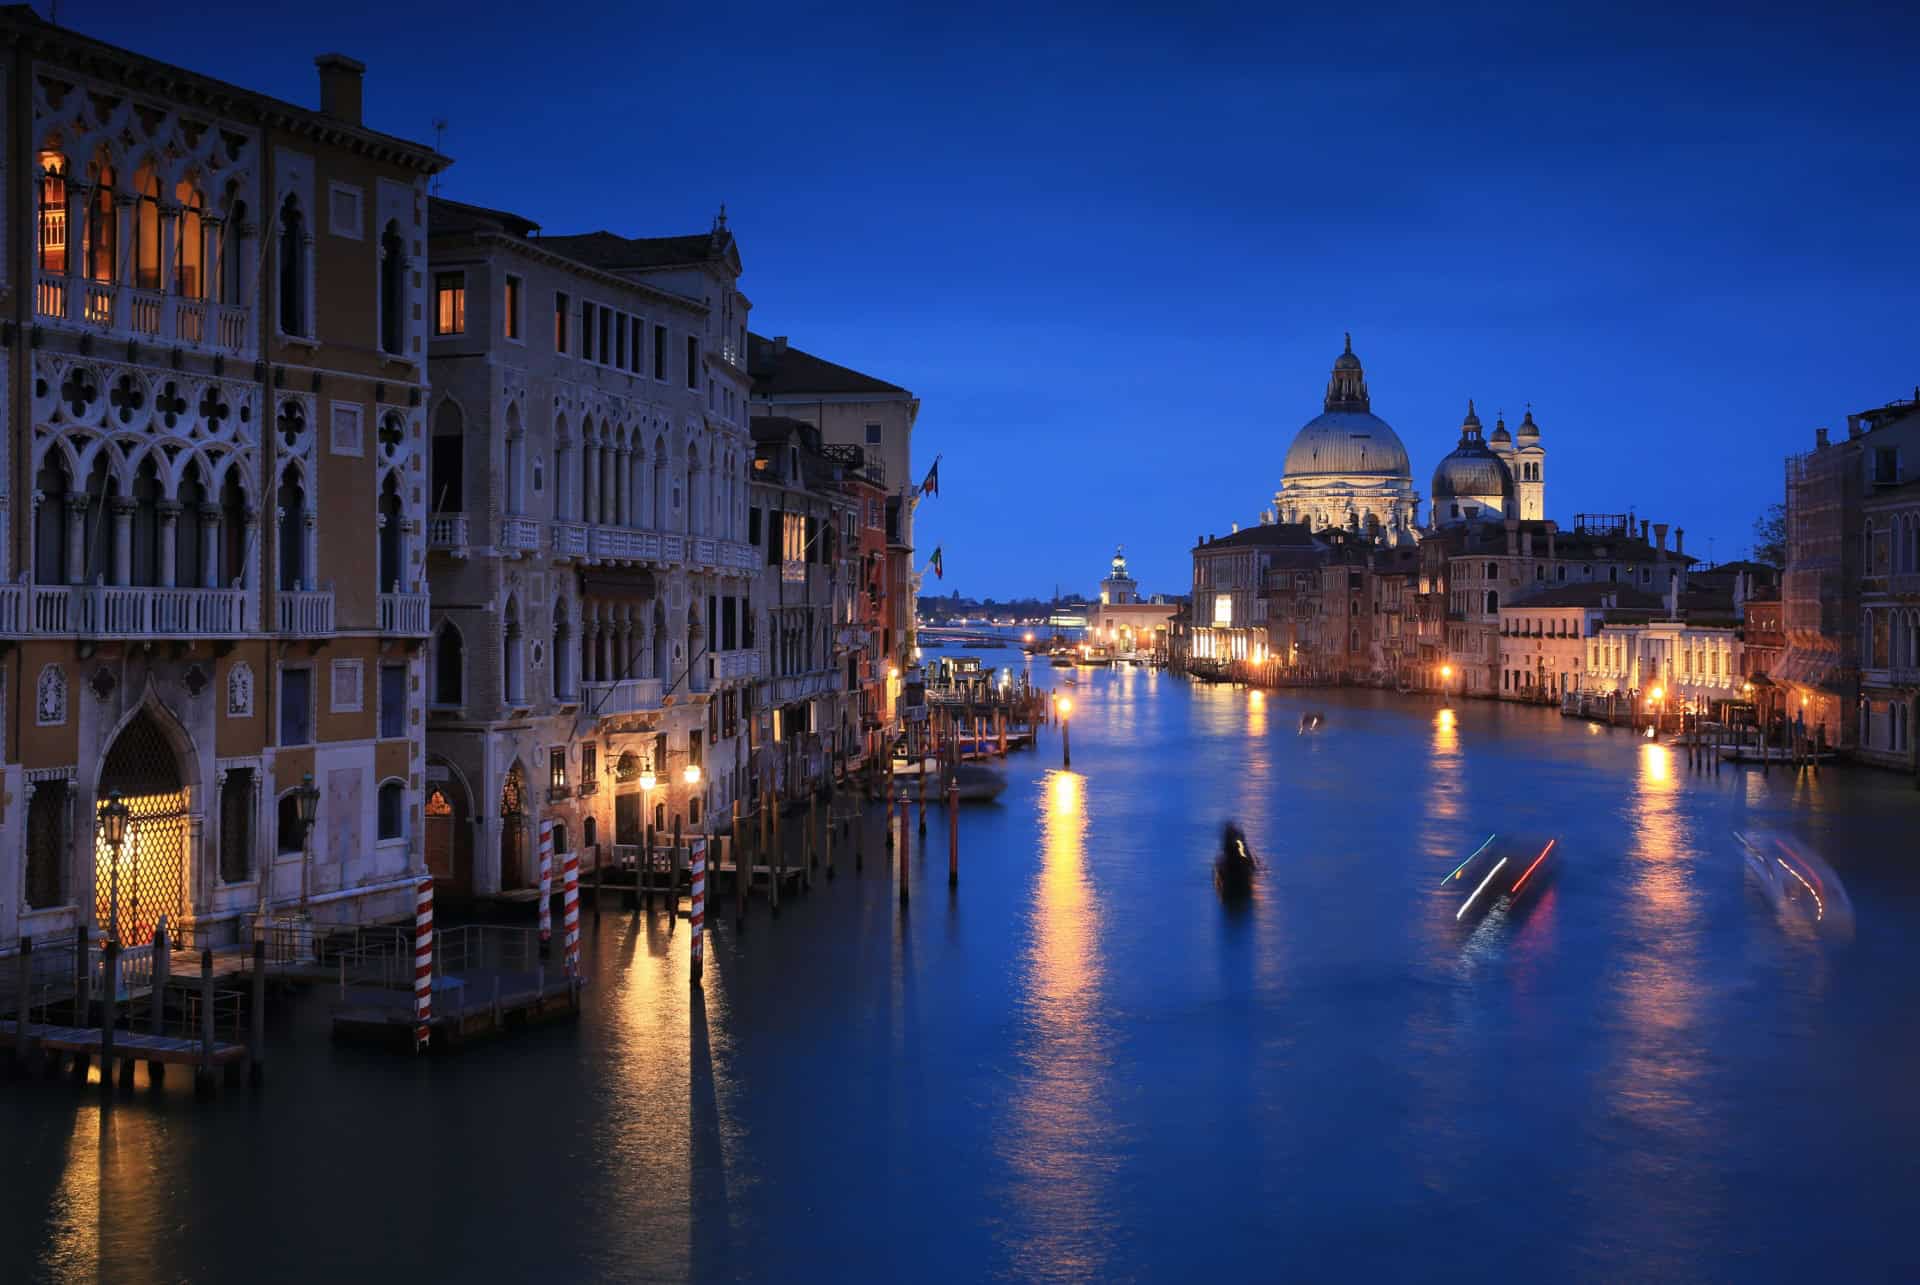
(1346, 360)
(1472, 473)
(1528, 429)
(1500, 434)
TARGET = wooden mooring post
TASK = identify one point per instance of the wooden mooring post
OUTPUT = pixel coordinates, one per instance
(742, 870)
(203, 1074)
(829, 837)
(922, 765)
(257, 1046)
(776, 851)
(953, 832)
(903, 849)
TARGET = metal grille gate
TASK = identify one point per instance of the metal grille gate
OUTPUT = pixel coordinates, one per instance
(153, 857)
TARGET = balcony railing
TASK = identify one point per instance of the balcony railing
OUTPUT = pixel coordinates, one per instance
(703, 552)
(519, 535)
(306, 613)
(623, 544)
(403, 615)
(622, 696)
(142, 314)
(124, 611)
(569, 540)
(447, 532)
(726, 665)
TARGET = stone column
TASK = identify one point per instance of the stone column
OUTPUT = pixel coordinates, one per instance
(77, 537)
(169, 540)
(122, 539)
(609, 467)
(623, 488)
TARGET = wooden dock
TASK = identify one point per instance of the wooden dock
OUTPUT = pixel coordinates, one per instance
(135, 1046)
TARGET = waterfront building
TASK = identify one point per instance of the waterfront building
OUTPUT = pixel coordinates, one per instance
(1346, 467)
(1692, 665)
(1889, 704)
(810, 697)
(589, 540)
(1820, 588)
(872, 630)
(1121, 620)
(855, 409)
(1544, 639)
(1230, 581)
(212, 498)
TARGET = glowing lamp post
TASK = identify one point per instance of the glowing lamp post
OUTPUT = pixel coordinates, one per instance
(1063, 705)
(113, 828)
(1446, 677)
(691, 775)
(647, 781)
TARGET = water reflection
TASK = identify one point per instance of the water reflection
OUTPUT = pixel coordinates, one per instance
(1059, 1148)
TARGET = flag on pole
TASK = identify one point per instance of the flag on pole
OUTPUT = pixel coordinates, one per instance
(932, 484)
(939, 569)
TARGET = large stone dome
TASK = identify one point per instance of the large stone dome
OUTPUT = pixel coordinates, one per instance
(1347, 442)
(1472, 471)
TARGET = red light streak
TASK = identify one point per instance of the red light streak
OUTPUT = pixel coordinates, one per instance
(1530, 869)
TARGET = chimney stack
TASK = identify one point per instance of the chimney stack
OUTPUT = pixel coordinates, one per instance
(1660, 534)
(779, 345)
(1644, 524)
(1819, 438)
(1679, 538)
(340, 78)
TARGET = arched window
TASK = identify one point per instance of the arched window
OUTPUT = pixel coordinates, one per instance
(660, 644)
(562, 472)
(47, 842)
(50, 520)
(589, 832)
(560, 837)
(293, 531)
(233, 255)
(146, 569)
(53, 210)
(1493, 601)
(393, 288)
(233, 529)
(102, 223)
(516, 463)
(98, 530)
(146, 228)
(392, 546)
(293, 268)
(449, 666)
(188, 556)
(189, 243)
(392, 810)
(660, 484)
(562, 654)
(1866, 641)
(449, 460)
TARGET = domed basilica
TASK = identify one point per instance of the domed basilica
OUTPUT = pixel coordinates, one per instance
(1347, 468)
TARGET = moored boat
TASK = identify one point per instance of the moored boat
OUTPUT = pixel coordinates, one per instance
(1233, 869)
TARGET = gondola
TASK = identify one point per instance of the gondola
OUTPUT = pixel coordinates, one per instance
(1312, 722)
(1233, 869)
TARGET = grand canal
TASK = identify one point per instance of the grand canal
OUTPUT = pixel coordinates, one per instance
(1083, 1066)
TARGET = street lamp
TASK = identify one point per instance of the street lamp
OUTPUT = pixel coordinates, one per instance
(1446, 677)
(647, 781)
(113, 828)
(1064, 706)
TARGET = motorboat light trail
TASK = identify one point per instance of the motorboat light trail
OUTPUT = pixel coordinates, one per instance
(1482, 888)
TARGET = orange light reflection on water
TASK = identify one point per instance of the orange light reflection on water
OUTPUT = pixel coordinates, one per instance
(1058, 1144)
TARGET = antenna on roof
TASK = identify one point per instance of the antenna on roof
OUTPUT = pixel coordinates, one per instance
(439, 130)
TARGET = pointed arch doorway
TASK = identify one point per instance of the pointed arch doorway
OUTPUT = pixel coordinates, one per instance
(514, 867)
(449, 837)
(144, 767)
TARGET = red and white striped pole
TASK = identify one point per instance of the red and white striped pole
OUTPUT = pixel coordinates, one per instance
(699, 915)
(546, 885)
(422, 963)
(570, 911)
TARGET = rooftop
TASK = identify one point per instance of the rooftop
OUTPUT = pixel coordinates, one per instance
(1267, 534)
(779, 369)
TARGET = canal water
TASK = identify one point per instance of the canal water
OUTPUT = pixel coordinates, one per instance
(1083, 1066)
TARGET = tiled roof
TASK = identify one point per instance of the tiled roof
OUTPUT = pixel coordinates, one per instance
(780, 369)
(614, 253)
(457, 216)
(1273, 534)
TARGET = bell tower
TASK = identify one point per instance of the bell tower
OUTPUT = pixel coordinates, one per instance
(1529, 464)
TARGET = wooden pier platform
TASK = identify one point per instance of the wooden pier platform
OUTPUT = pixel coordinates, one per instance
(479, 1004)
(135, 1045)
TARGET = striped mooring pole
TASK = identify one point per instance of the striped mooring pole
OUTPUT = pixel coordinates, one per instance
(570, 911)
(546, 885)
(422, 963)
(699, 912)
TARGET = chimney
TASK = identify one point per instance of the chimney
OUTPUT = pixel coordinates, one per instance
(340, 86)
(1819, 438)
(1679, 538)
(1660, 534)
(1644, 524)
(779, 345)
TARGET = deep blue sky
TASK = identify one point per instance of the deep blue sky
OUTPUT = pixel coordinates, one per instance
(1114, 252)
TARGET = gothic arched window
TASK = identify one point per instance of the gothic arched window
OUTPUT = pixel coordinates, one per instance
(293, 268)
(393, 288)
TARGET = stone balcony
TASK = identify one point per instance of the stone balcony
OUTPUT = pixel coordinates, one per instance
(569, 541)
(519, 535)
(728, 666)
(123, 611)
(447, 533)
(306, 613)
(403, 615)
(122, 311)
(621, 696)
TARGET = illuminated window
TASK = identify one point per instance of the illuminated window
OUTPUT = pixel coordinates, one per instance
(450, 303)
(146, 229)
(102, 224)
(557, 769)
(53, 213)
(511, 304)
(560, 305)
(189, 244)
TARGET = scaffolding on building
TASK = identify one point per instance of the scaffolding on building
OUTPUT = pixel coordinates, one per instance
(1820, 591)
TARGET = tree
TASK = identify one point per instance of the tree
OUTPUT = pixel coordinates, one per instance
(1770, 535)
